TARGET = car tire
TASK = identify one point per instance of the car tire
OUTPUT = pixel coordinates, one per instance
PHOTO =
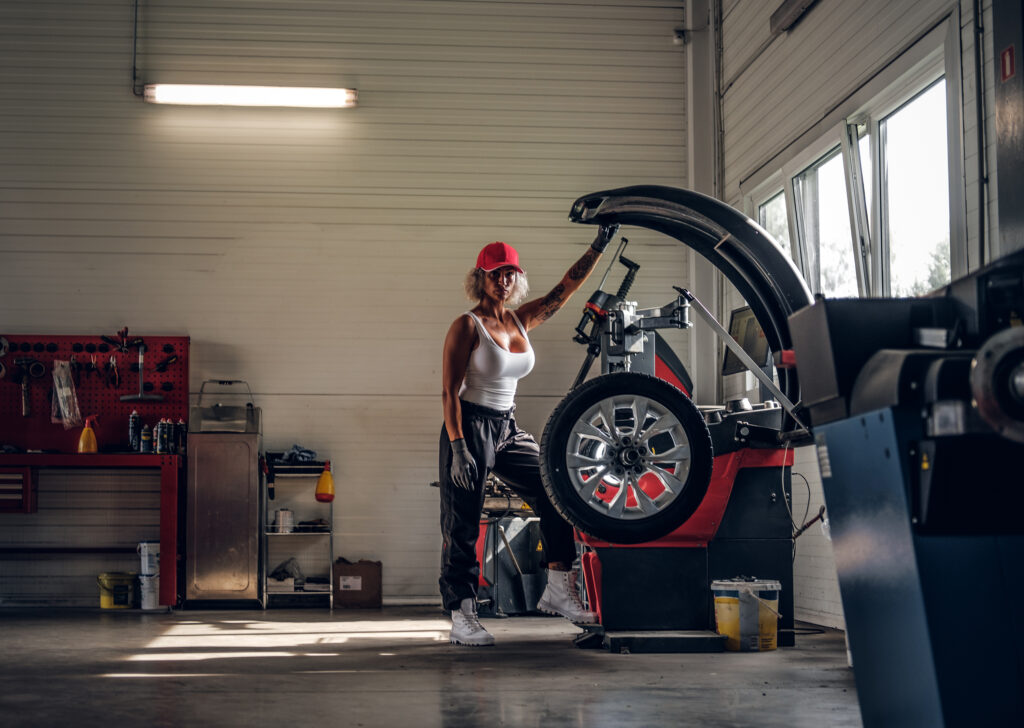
(644, 442)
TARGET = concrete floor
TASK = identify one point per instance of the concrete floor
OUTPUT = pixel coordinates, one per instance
(390, 667)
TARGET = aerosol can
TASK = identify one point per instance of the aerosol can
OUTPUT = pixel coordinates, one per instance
(87, 440)
(325, 485)
(135, 431)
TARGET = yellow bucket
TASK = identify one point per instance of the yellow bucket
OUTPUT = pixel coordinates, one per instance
(747, 613)
(117, 589)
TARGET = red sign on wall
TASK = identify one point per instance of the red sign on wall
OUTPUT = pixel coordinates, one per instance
(1007, 64)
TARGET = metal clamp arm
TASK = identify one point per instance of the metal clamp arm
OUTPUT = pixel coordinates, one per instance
(736, 349)
(652, 318)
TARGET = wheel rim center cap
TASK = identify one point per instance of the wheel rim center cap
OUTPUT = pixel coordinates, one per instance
(629, 456)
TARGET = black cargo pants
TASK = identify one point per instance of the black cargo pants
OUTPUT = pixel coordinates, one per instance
(500, 447)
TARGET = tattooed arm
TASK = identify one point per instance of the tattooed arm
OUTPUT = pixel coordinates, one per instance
(534, 313)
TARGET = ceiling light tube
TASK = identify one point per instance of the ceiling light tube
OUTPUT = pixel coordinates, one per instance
(208, 95)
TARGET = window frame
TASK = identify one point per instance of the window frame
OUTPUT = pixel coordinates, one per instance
(935, 55)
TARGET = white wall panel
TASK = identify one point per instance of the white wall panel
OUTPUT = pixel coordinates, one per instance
(815, 583)
(319, 254)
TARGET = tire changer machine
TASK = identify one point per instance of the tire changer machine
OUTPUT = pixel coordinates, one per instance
(917, 409)
(667, 497)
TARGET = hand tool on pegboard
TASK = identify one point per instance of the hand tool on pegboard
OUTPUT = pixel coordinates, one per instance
(113, 379)
(28, 369)
(166, 362)
(142, 396)
(75, 370)
(122, 343)
(40, 432)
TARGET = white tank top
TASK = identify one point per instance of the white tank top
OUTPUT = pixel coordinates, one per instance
(493, 372)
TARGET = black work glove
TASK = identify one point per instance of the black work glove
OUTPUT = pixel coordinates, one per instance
(604, 236)
(463, 465)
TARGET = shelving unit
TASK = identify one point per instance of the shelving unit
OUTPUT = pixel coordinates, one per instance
(295, 487)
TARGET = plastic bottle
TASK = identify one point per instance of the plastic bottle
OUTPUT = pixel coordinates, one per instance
(87, 440)
(325, 485)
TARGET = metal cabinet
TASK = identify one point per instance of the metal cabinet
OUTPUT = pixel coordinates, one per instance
(222, 518)
(306, 535)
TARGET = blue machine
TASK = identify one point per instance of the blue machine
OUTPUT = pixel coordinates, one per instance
(918, 415)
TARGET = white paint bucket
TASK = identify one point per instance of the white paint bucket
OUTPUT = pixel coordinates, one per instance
(150, 589)
(149, 552)
(285, 521)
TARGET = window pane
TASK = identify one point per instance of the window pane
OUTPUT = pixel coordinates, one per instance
(917, 193)
(772, 217)
(823, 222)
(865, 165)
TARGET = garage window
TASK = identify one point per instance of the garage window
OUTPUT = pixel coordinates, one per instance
(914, 192)
(823, 228)
(869, 206)
(771, 215)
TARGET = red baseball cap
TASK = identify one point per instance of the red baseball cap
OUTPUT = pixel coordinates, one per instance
(497, 255)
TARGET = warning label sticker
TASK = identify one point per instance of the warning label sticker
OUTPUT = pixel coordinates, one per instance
(824, 464)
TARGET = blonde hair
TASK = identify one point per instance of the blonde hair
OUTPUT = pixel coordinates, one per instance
(475, 287)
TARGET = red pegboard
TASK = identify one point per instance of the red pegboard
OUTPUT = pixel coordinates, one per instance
(95, 395)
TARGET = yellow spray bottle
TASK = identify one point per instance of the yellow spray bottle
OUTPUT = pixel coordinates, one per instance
(325, 485)
(87, 440)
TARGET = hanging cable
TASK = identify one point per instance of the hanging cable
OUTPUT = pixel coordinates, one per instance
(136, 87)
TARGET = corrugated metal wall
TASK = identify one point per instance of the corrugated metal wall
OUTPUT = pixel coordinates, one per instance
(776, 89)
(319, 255)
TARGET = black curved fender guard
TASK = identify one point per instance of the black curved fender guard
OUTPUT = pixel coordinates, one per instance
(736, 245)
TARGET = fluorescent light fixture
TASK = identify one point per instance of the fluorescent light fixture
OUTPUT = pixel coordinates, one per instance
(206, 95)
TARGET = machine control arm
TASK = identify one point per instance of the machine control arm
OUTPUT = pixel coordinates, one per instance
(736, 349)
(596, 309)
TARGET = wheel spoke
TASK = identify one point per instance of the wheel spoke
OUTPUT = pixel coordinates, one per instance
(676, 454)
(618, 505)
(664, 423)
(639, 416)
(578, 460)
(586, 429)
(608, 415)
(672, 484)
(644, 501)
(586, 491)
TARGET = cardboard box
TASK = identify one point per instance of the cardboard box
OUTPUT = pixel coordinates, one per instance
(357, 584)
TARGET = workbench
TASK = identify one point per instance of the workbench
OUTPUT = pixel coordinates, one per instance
(171, 473)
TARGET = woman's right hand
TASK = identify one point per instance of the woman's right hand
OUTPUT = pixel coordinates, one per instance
(464, 472)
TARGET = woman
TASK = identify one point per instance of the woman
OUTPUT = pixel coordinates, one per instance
(486, 352)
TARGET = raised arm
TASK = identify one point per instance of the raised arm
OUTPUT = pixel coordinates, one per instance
(534, 313)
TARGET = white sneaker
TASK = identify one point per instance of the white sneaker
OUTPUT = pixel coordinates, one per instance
(466, 627)
(563, 598)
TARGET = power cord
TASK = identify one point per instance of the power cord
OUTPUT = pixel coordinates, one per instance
(797, 530)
